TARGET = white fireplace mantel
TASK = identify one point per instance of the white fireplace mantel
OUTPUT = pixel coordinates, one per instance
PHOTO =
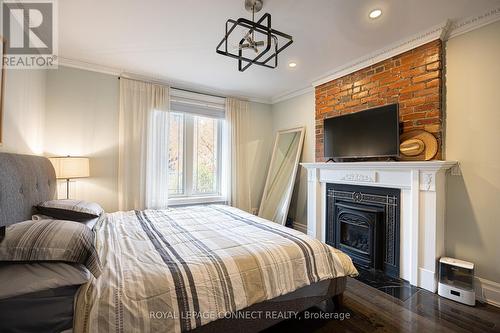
(422, 186)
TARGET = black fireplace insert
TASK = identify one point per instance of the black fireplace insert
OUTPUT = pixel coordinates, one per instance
(363, 222)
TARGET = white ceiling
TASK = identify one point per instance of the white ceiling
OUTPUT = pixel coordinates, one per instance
(175, 40)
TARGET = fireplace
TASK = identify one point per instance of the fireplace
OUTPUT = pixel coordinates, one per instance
(357, 232)
(363, 222)
(412, 195)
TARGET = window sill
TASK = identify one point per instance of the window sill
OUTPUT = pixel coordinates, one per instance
(181, 201)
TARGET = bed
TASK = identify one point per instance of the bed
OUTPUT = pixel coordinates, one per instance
(201, 268)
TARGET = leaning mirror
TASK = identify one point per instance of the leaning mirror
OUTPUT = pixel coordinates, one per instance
(281, 175)
(2, 80)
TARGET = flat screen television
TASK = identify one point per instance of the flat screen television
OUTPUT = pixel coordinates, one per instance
(364, 134)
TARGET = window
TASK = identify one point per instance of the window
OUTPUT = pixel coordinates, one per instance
(195, 150)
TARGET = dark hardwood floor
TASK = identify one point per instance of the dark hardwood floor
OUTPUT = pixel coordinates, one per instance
(371, 310)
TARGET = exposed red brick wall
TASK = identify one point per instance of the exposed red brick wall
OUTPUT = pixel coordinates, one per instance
(412, 79)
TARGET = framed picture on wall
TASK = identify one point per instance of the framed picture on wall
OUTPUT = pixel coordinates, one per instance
(2, 85)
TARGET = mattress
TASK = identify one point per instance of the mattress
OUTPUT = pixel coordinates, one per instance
(178, 269)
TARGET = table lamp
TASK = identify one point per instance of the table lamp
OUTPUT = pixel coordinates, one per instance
(70, 168)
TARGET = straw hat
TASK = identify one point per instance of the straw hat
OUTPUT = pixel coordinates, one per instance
(418, 145)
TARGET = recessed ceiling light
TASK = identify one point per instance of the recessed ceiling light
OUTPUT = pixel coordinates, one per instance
(375, 13)
(292, 64)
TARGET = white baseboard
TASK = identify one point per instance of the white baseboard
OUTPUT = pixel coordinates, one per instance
(487, 291)
(427, 279)
(300, 227)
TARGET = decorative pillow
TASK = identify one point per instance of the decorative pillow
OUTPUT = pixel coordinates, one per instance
(48, 241)
(72, 210)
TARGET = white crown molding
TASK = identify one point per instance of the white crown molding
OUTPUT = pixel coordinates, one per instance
(444, 31)
(258, 100)
(434, 33)
(290, 94)
(461, 27)
(78, 64)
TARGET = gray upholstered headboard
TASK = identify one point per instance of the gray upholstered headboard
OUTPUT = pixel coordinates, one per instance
(25, 181)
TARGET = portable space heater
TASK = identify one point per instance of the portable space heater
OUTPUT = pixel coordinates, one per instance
(456, 280)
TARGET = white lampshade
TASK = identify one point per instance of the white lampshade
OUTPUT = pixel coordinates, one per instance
(71, 167)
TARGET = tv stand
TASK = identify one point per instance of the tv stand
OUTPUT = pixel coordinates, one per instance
(330, 160)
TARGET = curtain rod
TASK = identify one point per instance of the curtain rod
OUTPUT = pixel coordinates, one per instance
(181, 89)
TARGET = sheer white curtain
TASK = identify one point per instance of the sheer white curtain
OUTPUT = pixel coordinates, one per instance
(143, 145)
(239, 190)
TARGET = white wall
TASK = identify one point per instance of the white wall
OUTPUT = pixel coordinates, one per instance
(24, 111)
(82, 120)
(473, 139)
(295, 112)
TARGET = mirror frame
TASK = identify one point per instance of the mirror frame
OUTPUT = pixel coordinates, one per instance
(289, 191)
(2, 87)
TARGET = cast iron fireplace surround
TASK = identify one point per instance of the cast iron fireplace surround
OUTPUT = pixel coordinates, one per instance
(363, 221)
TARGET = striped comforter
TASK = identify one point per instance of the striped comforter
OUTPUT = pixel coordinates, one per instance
(177, 269)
